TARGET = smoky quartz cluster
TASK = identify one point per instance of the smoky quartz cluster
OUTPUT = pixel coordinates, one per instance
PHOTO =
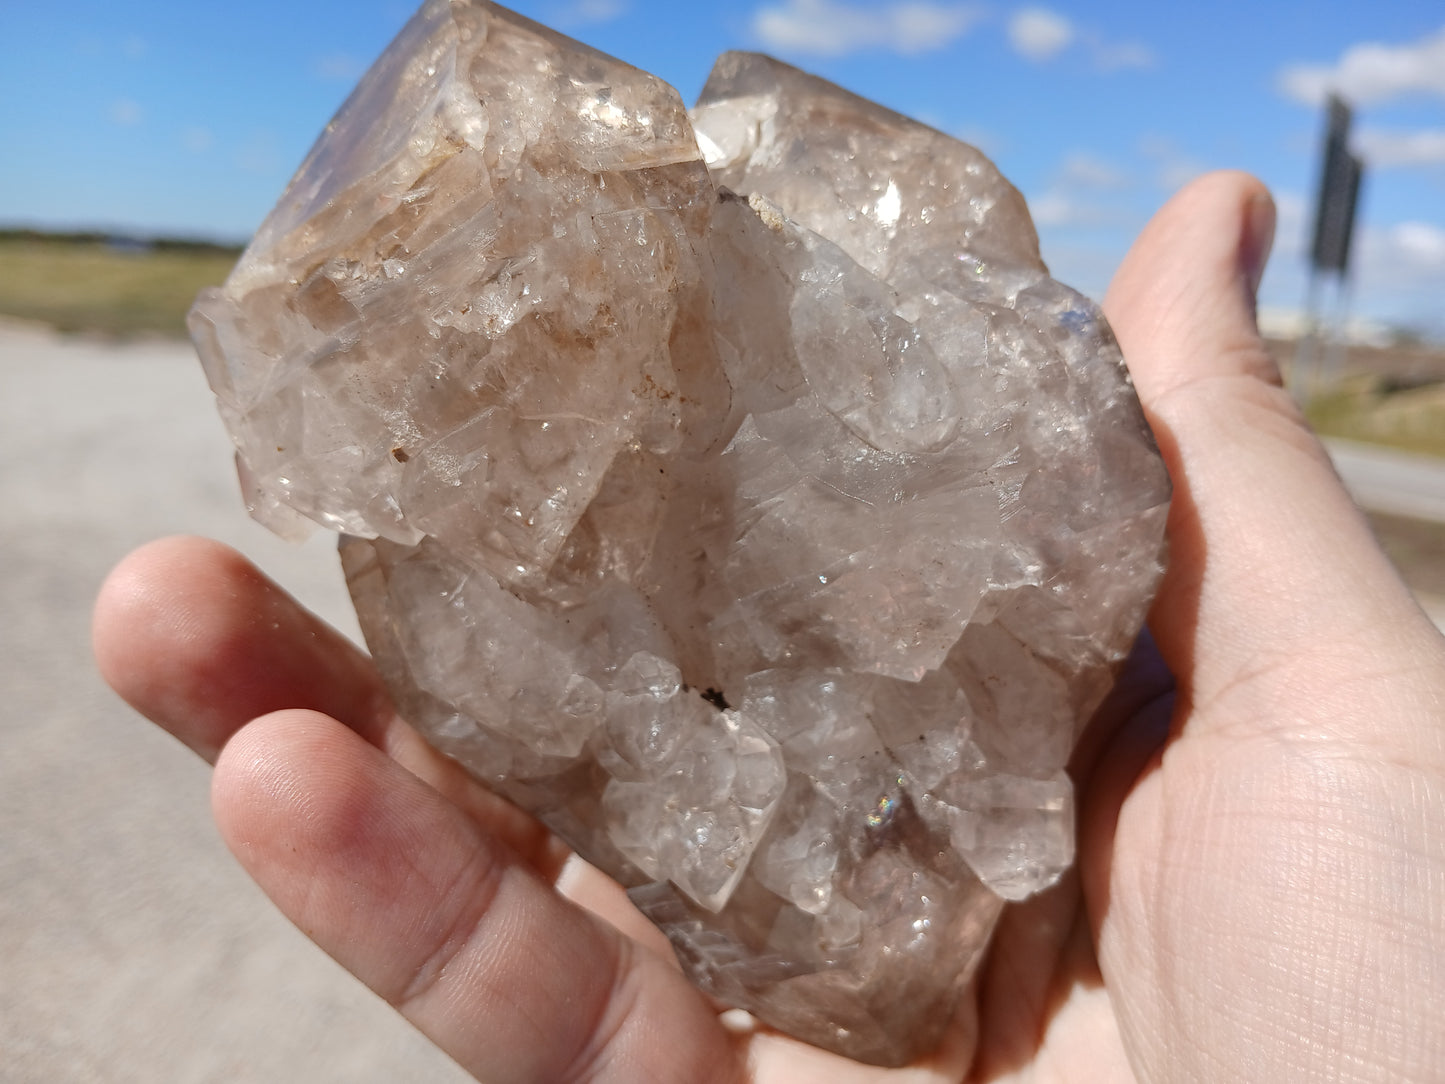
(733, 490)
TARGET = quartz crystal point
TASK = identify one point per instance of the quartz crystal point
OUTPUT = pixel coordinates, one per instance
(739, 495)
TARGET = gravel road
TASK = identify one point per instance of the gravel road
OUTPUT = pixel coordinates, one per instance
(131, 946)
(1391, 482)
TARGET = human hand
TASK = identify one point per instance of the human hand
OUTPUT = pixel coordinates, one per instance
(1262, 892)
(1265, 895)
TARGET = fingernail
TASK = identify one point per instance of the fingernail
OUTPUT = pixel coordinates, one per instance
(1257, 239)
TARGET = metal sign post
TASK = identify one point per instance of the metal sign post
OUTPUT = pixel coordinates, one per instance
(1339, 194)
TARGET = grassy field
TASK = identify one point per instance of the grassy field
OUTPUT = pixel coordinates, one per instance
(86, 284)
(1367, 409)
(1390, 395)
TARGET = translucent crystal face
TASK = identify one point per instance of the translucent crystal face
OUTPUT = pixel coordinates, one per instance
(737, 494)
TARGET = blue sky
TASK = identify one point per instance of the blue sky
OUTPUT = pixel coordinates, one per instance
(157, 116)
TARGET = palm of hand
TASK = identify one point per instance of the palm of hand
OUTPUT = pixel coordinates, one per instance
(1260, 888)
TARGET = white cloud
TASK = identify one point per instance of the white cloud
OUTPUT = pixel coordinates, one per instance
(1039, 34)
(1370, 73)
(197, 139)
(1420, 244)
(1398, 273)
(1290, 205)
(1084, 170)
(1062, 209)
(126, 112)
(591, 11)
(1173, 167)
(337, 68)
(1053, 209)
(1293, 217)
(259, 154)
(1084, 193)
(1121, 55)
(829, 28)
(1420, 148)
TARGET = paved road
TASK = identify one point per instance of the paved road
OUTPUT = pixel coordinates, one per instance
(1395, 484)
(1391, 482)
(131, 947)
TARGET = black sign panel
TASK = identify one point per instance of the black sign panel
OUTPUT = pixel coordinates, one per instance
(1339, 193)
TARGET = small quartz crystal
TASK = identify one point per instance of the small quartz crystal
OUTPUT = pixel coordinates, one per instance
(735, 492)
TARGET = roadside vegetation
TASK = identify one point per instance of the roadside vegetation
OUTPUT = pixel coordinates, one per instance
(106, 286)
(1368, 409)
(1391, 395)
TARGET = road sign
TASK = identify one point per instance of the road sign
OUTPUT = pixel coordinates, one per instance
(1339, 193)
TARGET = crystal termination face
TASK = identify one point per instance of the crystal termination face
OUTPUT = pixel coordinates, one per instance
(735, 492)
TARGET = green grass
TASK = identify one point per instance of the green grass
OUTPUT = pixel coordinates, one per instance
(81, 284)
(1412, 420)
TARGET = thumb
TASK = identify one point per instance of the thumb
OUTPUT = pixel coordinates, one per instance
(1270, 563)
